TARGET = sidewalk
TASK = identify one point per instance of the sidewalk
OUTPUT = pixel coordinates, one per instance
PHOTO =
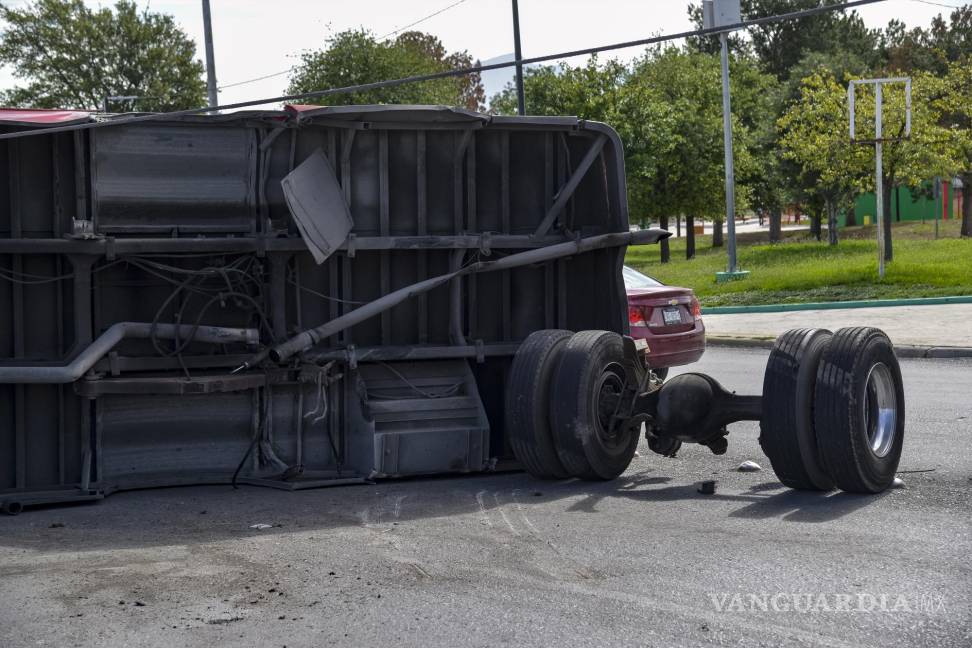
(948, 325)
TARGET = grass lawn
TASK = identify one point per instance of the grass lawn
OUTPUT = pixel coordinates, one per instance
(803, 270)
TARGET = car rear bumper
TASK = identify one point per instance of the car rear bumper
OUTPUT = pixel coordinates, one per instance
(674, 349)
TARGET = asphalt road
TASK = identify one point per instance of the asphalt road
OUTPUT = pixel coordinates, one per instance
(505, 559)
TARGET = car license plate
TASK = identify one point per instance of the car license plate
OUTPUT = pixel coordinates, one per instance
(672, 316)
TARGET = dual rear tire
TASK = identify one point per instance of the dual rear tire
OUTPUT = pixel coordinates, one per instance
(561, 401)
(833, 410)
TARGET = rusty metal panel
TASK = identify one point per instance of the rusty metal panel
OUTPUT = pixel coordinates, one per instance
(151, 178)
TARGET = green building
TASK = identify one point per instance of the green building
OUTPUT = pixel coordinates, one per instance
(907, 205)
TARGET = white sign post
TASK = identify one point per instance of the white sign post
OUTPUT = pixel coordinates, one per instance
(878, 141)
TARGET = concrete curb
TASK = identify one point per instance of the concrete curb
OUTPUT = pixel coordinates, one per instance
(901, 350)
(864, 303)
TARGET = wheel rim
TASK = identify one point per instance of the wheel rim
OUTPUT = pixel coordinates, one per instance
(880, 409)
(607, 396)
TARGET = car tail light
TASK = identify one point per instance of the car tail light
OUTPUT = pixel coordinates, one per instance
(696, 308)
(636, 317)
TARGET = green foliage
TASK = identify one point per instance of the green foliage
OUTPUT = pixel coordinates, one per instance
(815, 136)
(779, 46)
(73, 57)
(669, 116)
(954, 105)
(356, 57)
(667, 109)
(589, 91)
(932, 49)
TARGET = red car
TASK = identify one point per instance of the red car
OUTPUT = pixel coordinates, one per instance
(669, 319)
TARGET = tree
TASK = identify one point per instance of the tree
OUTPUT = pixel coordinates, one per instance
(649, 128)
(779, 46)
(769, 177)
(355, 57)
(834, 170)
(670, 119)
(73, 57)
(589, 91)
(667, 110)
(955, 106)
(932, 49)
(932, 149)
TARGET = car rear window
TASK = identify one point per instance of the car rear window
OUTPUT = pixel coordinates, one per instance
(634, 279)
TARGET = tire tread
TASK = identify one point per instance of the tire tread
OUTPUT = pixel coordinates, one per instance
(838, 409)
(527, 403)
(779, 435)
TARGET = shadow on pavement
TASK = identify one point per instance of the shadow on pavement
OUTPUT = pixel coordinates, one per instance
(804, 506)
(788, 505)
(203, 514)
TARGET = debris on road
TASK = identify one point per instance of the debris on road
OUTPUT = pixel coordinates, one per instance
(749, 466)
(261, 526)
(707, 487)
(898, 483)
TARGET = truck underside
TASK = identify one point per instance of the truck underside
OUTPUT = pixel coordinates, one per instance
(325, 296)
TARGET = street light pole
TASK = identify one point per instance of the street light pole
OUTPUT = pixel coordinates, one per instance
(730, 171)
(721, 13)
(210, 63)
(518, 54)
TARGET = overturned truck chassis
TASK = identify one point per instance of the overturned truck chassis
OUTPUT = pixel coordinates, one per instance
(308, 297)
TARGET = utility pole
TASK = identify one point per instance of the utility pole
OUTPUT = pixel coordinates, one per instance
(518, 54)
(720, 13)
(210, 63)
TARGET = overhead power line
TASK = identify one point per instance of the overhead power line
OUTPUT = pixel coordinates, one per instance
(422, 20)
(364, 87)
(940, 4)
(254, 80)
(391, 33)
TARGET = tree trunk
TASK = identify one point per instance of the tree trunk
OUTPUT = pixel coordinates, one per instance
(690, 237)
(815, 224)
(967, 204)
(852, 216)
(897, 204)
(775, 225)
(831, 223)
(888, 247)
(717, 232)
(666, 253)
(678, 226)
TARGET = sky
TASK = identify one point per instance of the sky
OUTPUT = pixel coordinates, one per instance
(256, 38)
